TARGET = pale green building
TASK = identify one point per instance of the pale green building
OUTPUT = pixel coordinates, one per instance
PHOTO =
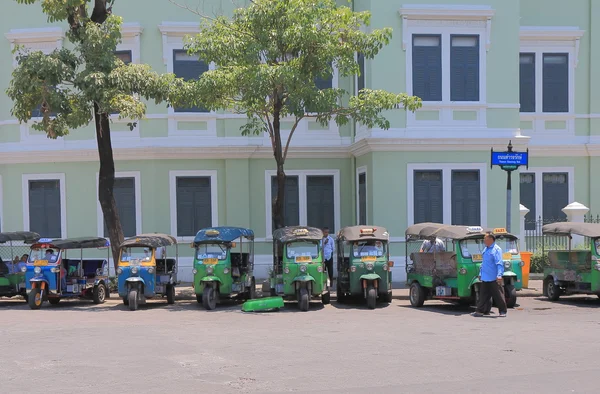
(488, 71)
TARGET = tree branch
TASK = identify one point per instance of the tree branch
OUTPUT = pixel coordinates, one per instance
(289, 139)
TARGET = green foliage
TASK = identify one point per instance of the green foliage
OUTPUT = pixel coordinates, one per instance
(66, 83)
(269, 55)
(539, 261)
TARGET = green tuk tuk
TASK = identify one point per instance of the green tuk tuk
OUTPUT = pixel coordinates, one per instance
(223, 264)
(12, 275)
(298, 271)
(452, 274)
(363, 264)
(573, 271)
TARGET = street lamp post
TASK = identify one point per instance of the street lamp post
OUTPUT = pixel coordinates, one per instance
(509, 161)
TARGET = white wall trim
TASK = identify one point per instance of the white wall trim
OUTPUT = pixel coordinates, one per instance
(302, 174)
(539, 184)
(214, 201)
(2, 221)
(446, 169)
(136, 175)
(359, 171)
(554, 33)
(63, 198)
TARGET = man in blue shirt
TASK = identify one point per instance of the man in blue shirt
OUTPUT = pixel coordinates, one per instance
(327, 243)
(490, 274)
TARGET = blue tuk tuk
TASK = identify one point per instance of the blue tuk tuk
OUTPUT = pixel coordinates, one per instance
(52, 275)
(144, 271)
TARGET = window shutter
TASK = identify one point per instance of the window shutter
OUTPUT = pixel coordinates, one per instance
(194, 205)
(466, 198)
(291, 200)
(362, 199)
(464, 68)
(125, 56)
(320, 203)
(527, 198)
(527, 82)
(555, 82)
(44, 208)
(428, 197)
(361, 77)
(124, 192)
(189, 68)
(427, 67)
(555, 196)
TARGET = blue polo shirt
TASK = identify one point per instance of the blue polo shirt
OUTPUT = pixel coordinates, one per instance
(492, 266)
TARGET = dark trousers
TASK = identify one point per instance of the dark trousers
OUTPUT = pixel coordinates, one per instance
(329, 268)
(492, 290)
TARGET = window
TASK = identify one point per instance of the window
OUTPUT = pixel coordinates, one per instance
(360, 82)
(291, 200)
(320, 201)
(428, 197)
(464, 68)
(189, 68)
(362, 198)
(45, 207)
(125, 56)
(427, 67)
(555, 194)
(466, 195)
(555, 83)
(124, 193)
(193, 202)
(527, 198)
(527, 82)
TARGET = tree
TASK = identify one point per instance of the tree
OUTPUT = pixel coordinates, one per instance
(73, 87)
(268, 57)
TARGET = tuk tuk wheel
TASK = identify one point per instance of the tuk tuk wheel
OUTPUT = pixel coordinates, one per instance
(552, 290)
(303, 299)
(511, 296)
(35, 298)
(133, 299)
(326, 298)
(251, 291)
(125, 301)
(416, 295)
(99, 294)
(199, 298)
(388, 297)
(371, 297)
(54, 301)
(341, 295)
(170, 294)
(209, 298)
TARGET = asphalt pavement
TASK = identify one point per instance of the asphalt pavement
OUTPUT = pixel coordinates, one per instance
(80, 347)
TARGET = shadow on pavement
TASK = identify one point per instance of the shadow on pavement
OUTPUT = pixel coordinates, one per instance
(444, 309)
(591, 302)
(356, 303)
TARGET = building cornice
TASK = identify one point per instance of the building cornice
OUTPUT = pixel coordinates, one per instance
(550, 33)
(179, 28)
(45, 34)
(129, 30)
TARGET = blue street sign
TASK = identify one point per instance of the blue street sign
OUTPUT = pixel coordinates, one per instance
(510, 158)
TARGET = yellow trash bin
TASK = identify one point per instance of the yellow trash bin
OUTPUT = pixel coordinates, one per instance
(526, 257)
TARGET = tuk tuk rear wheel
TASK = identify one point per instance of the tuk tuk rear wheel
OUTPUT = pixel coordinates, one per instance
(199, 298)
(552, 290)
(170, 294)
(54, 300)
(99, 294)
(416, 295)
(35, 298)
(125, 301)
(303, 299)
(133, 299)
(341, 295)
(326, 298)
(388, 297)
(511, 296)
(251, 292)
(371, 297)
(209, 298)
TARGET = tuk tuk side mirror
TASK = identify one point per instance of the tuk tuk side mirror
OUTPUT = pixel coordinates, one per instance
(390, 264)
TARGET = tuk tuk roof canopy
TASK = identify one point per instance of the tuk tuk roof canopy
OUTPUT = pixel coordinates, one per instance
(28, 237)
(357, 233)
(150, 240)
(437, 230)
(287, 234)
(423, 230)
(591, 230)
(222, 234)
(76, 243)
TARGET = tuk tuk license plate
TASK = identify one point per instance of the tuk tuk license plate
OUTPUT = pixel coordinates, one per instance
(210, 261)
(368, 258)
(477, 257)
(38, 263)
(442, 291)
(303, 259)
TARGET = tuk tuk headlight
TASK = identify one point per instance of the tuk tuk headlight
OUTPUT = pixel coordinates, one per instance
(134, 270)
(598, 266)
(210, 269)
(119, 271)
(507, 265)
(302, 268)
(37, 270)
(369, 267)
(463, 271)
(194, 271)
(521, 263)
(320, 268)
(225, 270)
(353, 268)
(384, 266)
(151, 270)
(23, 269)
(286, 270)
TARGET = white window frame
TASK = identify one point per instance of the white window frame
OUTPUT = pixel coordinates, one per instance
(539, 185)
(359, 171)
(214, 201)
(138, 200)
(446, 169)
(302, 209)
(173, 34)
(63, 198)
(540, 40)
(448, 20)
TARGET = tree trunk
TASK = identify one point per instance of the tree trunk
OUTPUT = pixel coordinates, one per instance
(277, 211)
(106, 182)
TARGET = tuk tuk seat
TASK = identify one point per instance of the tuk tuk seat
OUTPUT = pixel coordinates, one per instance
(580, 260)
(444, 263)
(91, 267)
(165, 266)
(240, 260)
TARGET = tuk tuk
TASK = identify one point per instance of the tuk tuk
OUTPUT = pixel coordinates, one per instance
(144, 271)
(363, 264)
(223, 264)
(52, 275)
(573, 271)
(452, 274)
(12, 276)
(298, 270)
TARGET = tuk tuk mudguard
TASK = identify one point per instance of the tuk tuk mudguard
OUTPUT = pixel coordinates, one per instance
(370, 277)
(303, 278)
(210, 279)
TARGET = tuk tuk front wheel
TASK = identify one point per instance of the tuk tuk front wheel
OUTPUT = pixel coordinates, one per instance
(511, 296)
(35, 298)
(552, 290)
(326, 298)
(170, 294)
(371, 297)
(416, 295)
(133, 299)
(99, 294)
(303, 299)
(209, 298)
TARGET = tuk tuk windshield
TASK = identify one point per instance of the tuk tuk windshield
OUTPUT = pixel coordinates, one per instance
(49, 254)
(211, 251)
(136, 253)
(368, 248)
(597, 245)
(302, 248)
(470, 247)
